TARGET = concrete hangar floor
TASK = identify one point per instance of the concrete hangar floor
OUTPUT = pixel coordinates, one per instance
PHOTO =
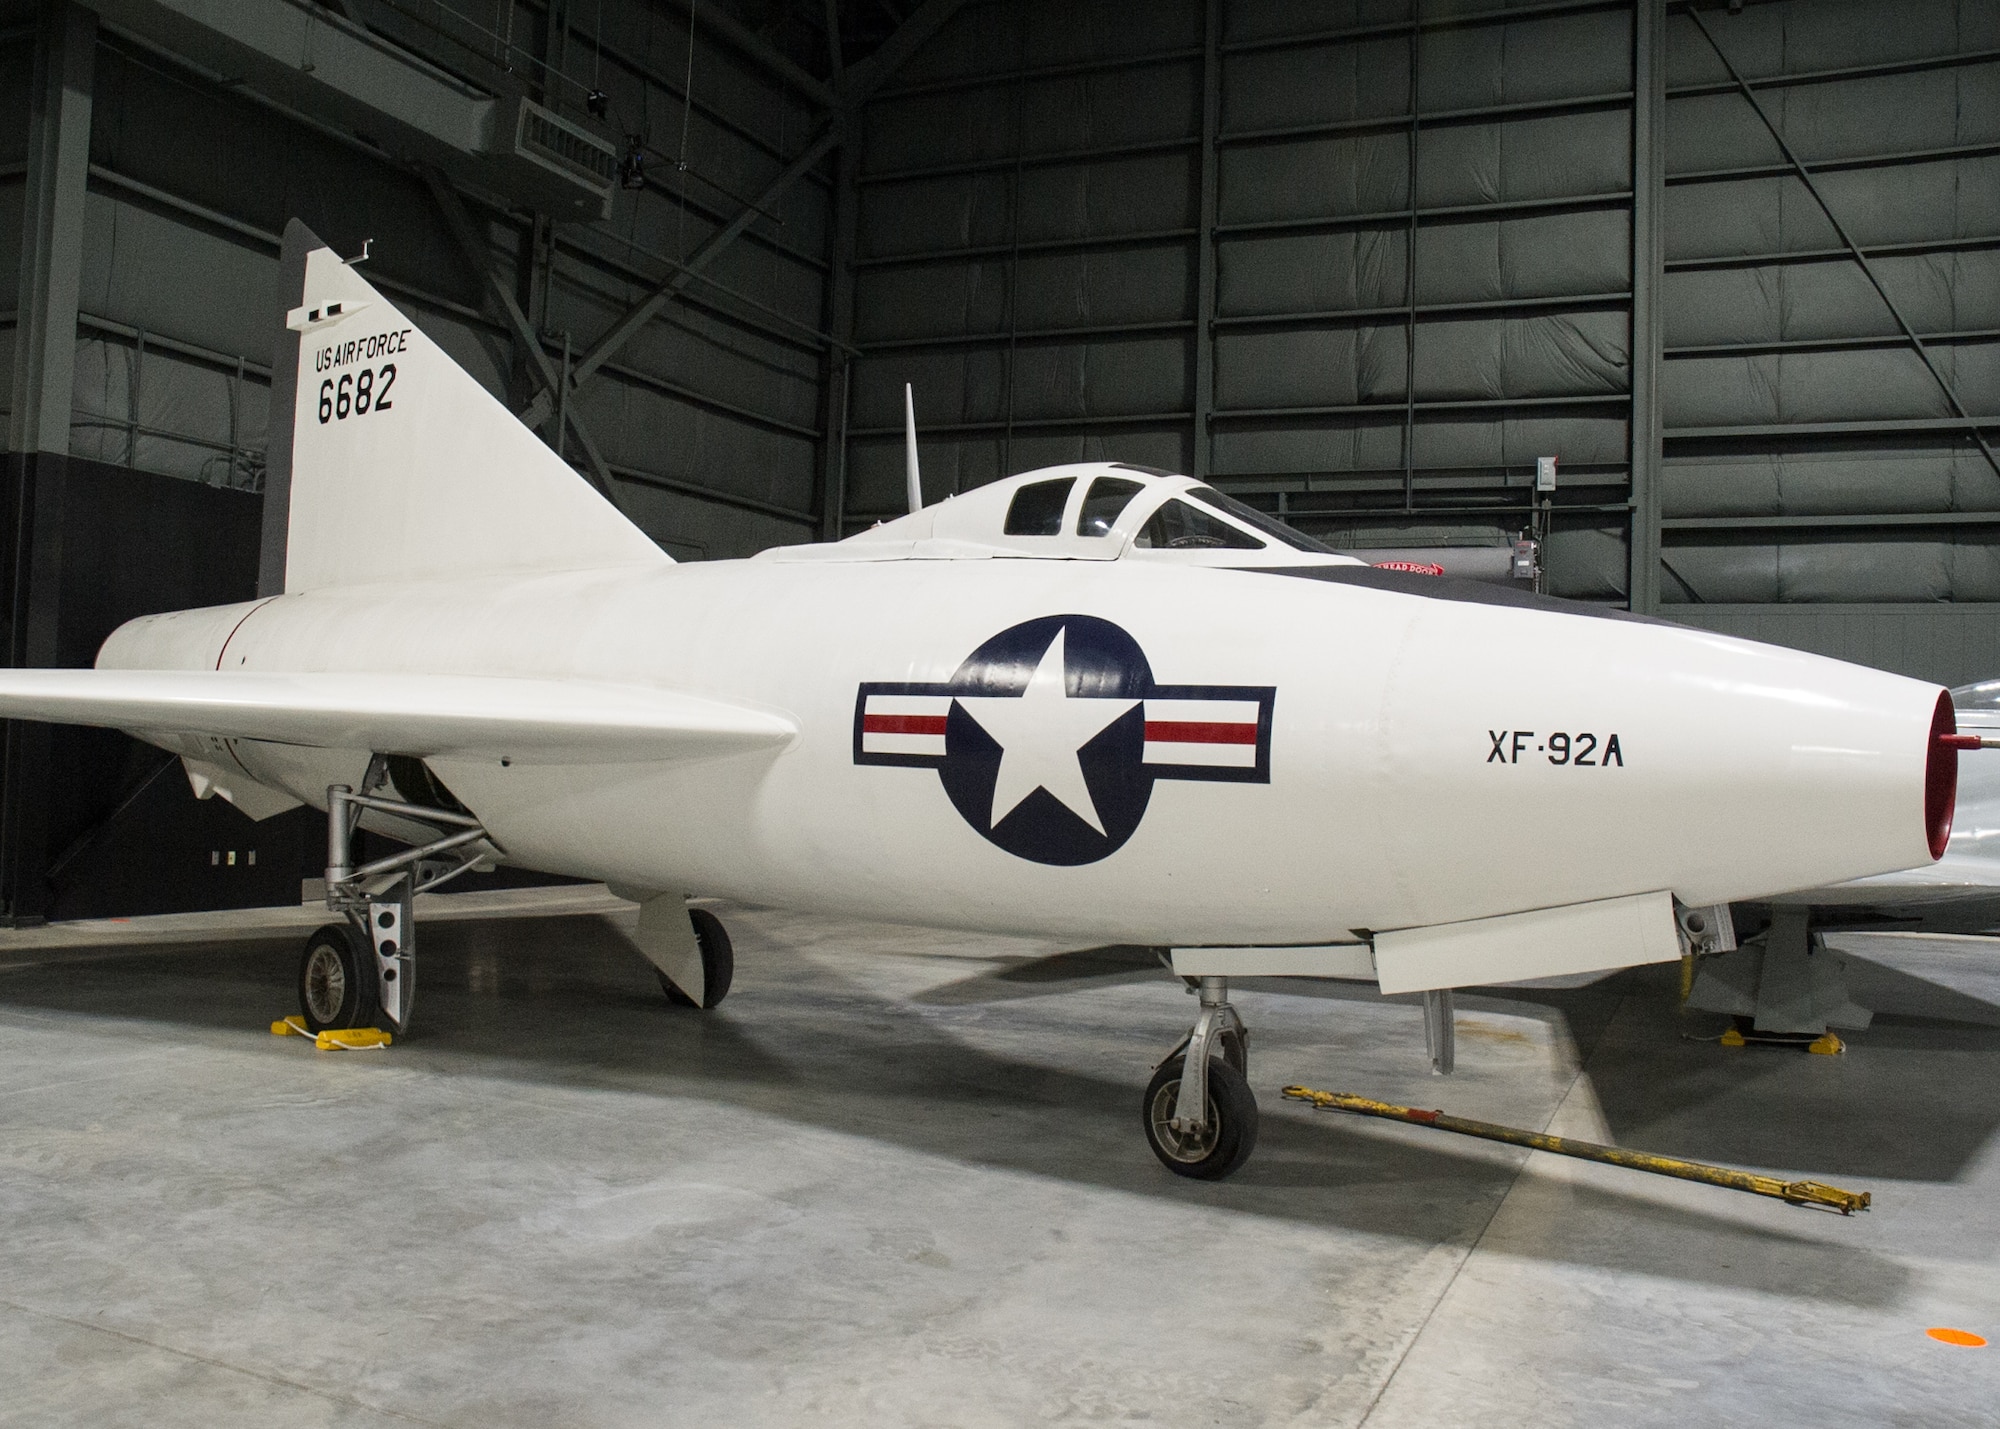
(898, 1179)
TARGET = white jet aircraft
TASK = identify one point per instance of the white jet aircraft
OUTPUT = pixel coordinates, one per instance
(1094, 702)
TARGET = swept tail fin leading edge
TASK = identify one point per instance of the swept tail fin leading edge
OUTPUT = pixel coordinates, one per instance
(389, 462)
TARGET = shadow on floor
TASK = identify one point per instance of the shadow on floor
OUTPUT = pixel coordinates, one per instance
(565, 1001)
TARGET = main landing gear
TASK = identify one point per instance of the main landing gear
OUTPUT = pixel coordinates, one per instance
(689, 950)
(1200, 1116)
(362, 972)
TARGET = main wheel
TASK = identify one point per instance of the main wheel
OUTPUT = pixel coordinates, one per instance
(337, 981)
(718, 962)
(1231, 1133)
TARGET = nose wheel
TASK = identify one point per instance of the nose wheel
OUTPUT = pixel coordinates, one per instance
(1199, 1113)
(1217, 1144)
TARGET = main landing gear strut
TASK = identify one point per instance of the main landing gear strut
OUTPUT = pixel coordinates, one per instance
(361, 972)
(1200, 1117)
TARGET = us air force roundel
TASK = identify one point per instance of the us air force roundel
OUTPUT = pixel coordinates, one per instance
(1049, 737)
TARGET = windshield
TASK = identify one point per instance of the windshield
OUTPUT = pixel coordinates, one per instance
(1179, 526)
(1108, 496)
(1251, 516)
(1037, 509)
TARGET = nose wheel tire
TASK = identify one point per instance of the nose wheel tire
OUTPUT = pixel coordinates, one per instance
(1218, 1148)
(337, 987)
(718, 962)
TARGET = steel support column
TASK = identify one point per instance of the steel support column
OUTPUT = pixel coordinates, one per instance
(1649, 107)
(58, 167)
(1012, 351)
(836, 60)
(1410, 265)
(1201, 448)
(52, 231)
(838, 369)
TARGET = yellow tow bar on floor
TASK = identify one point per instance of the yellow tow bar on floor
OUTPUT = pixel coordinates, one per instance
(341, 1039)
(1796, 1193)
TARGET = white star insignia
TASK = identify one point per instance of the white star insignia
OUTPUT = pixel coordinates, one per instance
(1040, 732)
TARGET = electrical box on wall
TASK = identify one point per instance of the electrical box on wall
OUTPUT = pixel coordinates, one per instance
(1545, 473)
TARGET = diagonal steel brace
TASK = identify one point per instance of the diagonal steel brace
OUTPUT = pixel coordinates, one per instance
(1853, 248)
(525, 336)
(647, 308)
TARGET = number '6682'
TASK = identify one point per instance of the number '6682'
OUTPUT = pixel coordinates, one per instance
(356, 394)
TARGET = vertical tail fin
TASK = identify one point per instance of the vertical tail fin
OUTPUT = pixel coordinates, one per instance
(387, 461)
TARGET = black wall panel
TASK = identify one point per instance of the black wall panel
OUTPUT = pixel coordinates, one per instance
(1443, 245)
(109, 825)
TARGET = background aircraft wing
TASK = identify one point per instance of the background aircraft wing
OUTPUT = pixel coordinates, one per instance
(529, 721)
(1961, 891)
(1951, 877)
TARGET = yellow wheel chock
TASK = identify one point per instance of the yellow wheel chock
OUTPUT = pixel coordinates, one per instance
(1824, 1045)
(334, 1039)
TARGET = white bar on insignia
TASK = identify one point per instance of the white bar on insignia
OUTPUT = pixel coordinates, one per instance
(933, 705)
(1202, 711)
(1166, 719)
(929, 744)
(1213, 756)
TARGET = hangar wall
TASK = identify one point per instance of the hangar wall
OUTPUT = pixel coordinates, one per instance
(707, 417)
(1829, 481)
(1364, 263)
(136, 330)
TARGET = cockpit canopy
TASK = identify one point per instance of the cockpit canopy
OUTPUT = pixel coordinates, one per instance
(1089, 511)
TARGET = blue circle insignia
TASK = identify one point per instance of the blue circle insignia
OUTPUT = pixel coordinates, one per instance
(1100, 663)
(1049, 737)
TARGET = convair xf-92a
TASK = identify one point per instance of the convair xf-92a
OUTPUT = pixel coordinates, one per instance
(1095, 702)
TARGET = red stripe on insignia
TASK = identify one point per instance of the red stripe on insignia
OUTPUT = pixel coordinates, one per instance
(902, 724)
(1174, 731)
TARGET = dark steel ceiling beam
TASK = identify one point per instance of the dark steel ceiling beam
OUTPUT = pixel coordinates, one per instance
(478, 256)
(1503, 16)
(1835, 76)
(861, 81)
(647, 308)
(714, 20)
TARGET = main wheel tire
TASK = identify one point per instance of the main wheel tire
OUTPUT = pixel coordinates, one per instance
(337, 981)
(718, 962)
(1232, 1122)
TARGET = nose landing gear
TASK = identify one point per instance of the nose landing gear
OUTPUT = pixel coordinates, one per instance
(1199, 1113)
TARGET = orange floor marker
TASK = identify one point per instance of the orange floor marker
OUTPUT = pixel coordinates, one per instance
(1957, 1337)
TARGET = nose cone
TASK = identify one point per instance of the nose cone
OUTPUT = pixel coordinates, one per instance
(1574, 758)
(1941, 776)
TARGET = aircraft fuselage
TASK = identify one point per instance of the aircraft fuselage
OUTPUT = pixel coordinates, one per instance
(1128, 751)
